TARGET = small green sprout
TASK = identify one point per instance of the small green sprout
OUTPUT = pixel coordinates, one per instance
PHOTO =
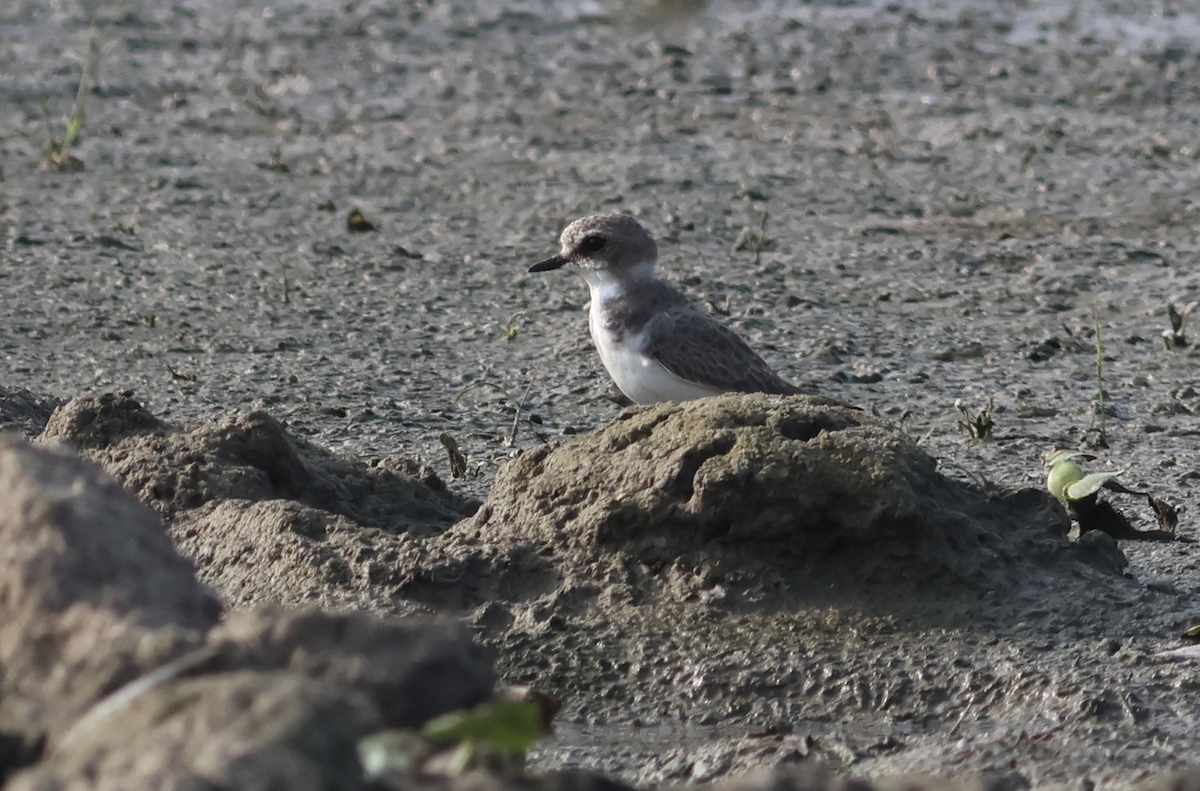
(514, 328)
(57, 152)
(495, 734)
(1063, 472)
(1080, 494)
(1066, 480)
(508, 727)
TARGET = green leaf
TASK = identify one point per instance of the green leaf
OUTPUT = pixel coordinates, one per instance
(1089, 484)
(509, 727)
(1062, 475)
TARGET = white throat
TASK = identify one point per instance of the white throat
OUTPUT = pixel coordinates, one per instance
(604, 285)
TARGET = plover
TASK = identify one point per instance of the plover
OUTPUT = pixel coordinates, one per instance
(656, 345)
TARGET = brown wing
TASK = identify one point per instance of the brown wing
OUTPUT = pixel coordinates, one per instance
(699, 349)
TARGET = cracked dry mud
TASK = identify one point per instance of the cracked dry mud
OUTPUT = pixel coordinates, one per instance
(955, 196)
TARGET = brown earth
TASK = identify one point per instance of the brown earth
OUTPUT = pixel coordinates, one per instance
(955, 199)
(747, 580)
(115, 677)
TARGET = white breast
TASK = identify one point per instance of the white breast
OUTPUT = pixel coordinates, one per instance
(640, 377)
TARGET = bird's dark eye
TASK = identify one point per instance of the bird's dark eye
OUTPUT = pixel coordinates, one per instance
(592, 244)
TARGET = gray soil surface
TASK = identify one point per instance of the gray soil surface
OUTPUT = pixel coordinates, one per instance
(954, 197)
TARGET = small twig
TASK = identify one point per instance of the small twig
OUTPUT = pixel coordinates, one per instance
(182, 377)
(983, 483)
(961, 717)
(484, 383)
(512, 435)
(125, 696)
(975, 700)
(762, 238)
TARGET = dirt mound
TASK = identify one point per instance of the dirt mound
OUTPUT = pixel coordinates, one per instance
(25, 412)
(283, 552)
(91, 590)
(774, 562)
(248, 458)
(800, 473)
(745, 487)
(240, 730)
(769, 561)
(115, 678)
(266, 517)
(412, 670)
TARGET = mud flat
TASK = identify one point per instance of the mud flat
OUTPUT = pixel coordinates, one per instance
(906, 205)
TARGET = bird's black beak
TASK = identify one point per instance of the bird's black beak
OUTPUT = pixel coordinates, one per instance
(557, 262)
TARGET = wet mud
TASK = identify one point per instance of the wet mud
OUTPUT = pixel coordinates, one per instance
(923, 210)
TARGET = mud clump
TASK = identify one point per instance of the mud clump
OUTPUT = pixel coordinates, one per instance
(267, 517)
(746, 487)
(234, 727)
(283, 552)
(25, 412)
(251, 458)
(797, 474)
(91, 591)
(115, 677)
(411, 670)
(761, 560)
(90, 423)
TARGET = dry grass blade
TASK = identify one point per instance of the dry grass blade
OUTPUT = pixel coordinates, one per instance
(1176, 337)
(458, 462)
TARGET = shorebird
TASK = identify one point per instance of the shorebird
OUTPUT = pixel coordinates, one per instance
(656, 345)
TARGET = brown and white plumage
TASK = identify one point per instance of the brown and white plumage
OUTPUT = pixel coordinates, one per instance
(654, 342)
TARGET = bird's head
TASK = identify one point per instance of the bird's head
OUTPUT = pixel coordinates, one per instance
(613, 242)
